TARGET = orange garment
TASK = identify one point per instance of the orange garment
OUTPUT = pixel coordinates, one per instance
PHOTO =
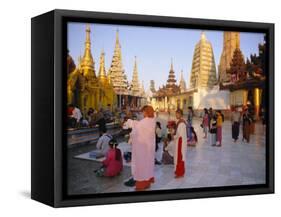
(219, 121)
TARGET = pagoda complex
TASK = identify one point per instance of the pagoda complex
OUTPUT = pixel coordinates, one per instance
(84, 88)
(203, 84)
(231, 41)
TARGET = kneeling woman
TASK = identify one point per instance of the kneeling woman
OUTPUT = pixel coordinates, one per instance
(168, 152)
(113, 163)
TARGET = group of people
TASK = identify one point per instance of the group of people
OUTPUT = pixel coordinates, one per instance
(90, 118)
(247, 124)
(212, 123)
(146, 135)
(145, 138)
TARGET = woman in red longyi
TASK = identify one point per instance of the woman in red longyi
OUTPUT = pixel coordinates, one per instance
(180, 139)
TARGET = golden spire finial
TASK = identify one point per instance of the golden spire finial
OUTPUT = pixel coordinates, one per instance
(117, 36)
(172, 66)
(102, 73)
(135, 61)
(203, 35)
(87, 60)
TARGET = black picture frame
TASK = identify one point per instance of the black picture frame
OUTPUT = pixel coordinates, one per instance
(48, 55)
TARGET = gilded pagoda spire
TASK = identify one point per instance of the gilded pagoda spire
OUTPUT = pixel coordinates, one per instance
(87, 62)
(203, 71)
(116, 72)
(135, 86)
(102, 72)
(182, 83)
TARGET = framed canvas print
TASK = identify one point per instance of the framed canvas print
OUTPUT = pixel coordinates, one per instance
(134, 108)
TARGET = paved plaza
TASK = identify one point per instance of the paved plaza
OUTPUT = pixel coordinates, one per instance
(237, 163)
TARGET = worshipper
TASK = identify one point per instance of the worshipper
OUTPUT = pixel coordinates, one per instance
(194, 139)
(189, 122)
(168, 150)
(220, 120)
(101, 122)
(247, 120)
(102, 144)
(210, 116)
(235, 120)
(213, 131)
(70, 118)
(158, 131)
(143, 149)
(180, 139)
(158, 138)
(113, 163)
(108, 114)
(77, 115)
(92, 117)
(84, 122)
(205, 122)
(171, 127)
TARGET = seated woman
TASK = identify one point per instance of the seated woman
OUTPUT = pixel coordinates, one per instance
(168, 152)
(194, 139)
(113, 164)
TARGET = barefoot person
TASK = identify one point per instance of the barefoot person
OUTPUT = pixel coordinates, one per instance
(143, 149)
(235, 120)
(180, 139)
(205, 122)
(220, 120)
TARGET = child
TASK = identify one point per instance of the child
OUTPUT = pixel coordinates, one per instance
(113, 163)
(168, 150)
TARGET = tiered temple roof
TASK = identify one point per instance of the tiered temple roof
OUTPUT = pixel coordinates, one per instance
(237, 70)
(116, 72)
(171, 86)
(171, 82)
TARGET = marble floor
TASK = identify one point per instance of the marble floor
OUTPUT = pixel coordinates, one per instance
(237, 163)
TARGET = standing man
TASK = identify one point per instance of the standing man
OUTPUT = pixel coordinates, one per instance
(235, 120)
(143, 149)
(180, 139)
(189, 123)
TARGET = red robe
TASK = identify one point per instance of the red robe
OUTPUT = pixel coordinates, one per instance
(180, 149)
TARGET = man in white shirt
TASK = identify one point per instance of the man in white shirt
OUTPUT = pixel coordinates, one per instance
(103, 144)
(77, 115)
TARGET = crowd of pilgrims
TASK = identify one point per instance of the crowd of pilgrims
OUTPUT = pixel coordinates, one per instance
(146, 135)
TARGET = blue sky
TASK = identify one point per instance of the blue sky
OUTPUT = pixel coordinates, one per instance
(153, 46)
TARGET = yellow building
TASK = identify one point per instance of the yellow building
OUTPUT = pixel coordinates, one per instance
(84, 88)
(231, 41)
